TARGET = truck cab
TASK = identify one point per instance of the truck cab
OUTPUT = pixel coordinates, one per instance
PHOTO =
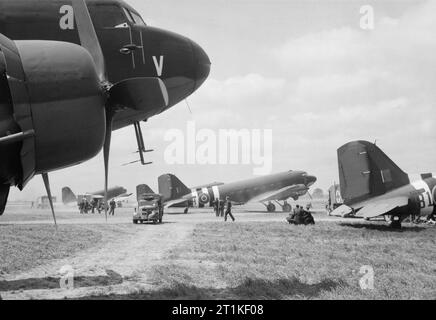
(149, 209)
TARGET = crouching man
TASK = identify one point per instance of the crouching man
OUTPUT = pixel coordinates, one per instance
(301, 217)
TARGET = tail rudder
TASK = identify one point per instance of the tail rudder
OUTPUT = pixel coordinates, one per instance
(142, 189)
(171, 188)
(365, 171)
(68, 196)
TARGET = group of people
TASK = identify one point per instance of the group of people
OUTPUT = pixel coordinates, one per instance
(300, 216)
(223, 209)
(85, 206)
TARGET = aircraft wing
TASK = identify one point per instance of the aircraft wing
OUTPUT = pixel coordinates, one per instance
(273, 195)
(93, 196)
(123, 197)
(382, 207)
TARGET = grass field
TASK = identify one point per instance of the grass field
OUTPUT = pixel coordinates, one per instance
(277, 261)
(25, 247)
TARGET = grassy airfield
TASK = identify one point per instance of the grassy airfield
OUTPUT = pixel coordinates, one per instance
(276, 261)
(258, 257)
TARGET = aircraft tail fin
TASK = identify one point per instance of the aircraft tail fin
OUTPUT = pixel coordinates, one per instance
(171, 188)
(68, 196)
(142, 189)
(365, 171)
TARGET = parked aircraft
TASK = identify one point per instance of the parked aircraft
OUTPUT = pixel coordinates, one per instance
(71, 72)
(372, 185)
(275, 188)
(119, 194)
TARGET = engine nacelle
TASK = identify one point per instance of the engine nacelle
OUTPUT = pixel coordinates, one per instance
(57, 98)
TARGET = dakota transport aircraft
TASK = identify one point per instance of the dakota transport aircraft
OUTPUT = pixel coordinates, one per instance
(71, 72)
(118, 193)
(372, 185)
(276, 187)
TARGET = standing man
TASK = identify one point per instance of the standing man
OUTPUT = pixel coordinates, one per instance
(216, 205)
(229, 210)
(222, 205)
(82, 206)
(113, 205)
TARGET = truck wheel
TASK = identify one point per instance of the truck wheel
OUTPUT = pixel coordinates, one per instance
(287, 208)
(135, 221)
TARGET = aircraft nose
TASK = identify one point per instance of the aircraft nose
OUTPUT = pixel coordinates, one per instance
(310, 180)
(202, 65)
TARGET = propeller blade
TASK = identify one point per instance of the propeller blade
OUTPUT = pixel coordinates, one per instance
(106, 154)
(88, 37)
(50, 198)
(140, 94)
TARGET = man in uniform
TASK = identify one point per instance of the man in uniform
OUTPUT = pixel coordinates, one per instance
(216, 205)
(113, 205)
(229, 210)
(222, 205)
(82, 206)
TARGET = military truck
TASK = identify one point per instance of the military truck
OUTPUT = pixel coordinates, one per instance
(149, 210)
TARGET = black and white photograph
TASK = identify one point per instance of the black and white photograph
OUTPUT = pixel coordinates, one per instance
(238, 152)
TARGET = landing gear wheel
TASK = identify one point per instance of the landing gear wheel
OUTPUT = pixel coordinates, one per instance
(287, 208)
(186, 211)
(271, 208)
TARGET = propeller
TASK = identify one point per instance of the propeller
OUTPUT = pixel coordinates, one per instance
(50, 198)
(137, 94)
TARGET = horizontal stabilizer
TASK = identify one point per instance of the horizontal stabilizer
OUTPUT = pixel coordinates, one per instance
(382, 207)
(342, 211)
(178, 201)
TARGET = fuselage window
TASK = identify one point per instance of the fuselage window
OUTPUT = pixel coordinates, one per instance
(108, 16)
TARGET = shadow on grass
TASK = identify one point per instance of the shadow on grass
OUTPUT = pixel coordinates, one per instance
(381, 227)
(112, 278)
(250, 289)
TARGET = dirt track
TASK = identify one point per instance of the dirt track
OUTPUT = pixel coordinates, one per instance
(119, 265)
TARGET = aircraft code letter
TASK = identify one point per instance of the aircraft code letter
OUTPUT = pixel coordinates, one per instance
(159, 65)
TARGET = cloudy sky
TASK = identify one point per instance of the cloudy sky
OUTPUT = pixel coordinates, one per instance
(302, 68)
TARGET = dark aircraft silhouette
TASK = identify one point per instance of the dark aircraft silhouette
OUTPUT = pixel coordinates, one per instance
(276, 187)
(71, 72)
(372, 186)
(68, 195)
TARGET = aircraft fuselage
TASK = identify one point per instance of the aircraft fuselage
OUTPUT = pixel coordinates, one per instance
(245, 191)
(131, 48)
(421, 195)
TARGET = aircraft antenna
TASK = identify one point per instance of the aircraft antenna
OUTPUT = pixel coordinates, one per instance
(189, 107)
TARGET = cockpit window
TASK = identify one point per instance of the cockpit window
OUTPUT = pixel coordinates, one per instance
(129, 16)
(138, 20)
(108, 16)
